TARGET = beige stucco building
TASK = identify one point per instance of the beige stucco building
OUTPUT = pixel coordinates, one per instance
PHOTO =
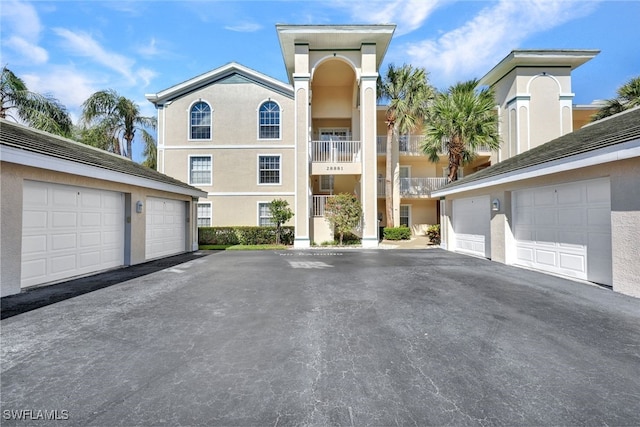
(68, 210)
(246, 138)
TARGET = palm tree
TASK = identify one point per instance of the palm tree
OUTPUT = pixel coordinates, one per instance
(117, 119)
(42, 112)
(463, 118)
(408, 92)
(628, 97)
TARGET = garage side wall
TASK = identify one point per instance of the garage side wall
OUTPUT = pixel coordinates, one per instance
(13, 177)
(625, 227)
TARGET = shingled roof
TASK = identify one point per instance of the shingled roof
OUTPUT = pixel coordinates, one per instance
(603, 134)
(30, 140)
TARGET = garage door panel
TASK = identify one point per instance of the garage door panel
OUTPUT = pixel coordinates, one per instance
(578, 243)
(166, 227)
(64, 228)
(572, 262)
(471, 225)
(543, 198)
(545, 257)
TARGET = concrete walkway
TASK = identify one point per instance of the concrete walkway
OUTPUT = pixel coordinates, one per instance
(416, 242)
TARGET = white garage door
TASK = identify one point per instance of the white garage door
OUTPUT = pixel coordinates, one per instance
(472, 225)
(565, 229)
(69, 231)
(166, 227)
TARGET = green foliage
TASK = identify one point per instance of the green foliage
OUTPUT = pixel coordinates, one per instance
(118, 118)
(344, 212)
(464, 119)
(397, 233)
(230, 236)
(628, 96)
(433, 233)
(280, 213)
(408, 93)
(42, 112)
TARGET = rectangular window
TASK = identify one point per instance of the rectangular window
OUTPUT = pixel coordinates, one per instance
(200, 170)
(264, 215)
(204, 214)
(405, 213)
(326, 183)
(268, 169)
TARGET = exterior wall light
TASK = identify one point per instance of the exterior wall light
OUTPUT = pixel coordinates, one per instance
(139, 206)
(495, 205)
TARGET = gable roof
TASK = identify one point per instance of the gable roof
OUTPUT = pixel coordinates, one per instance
(614, 138)
(22, 145)
(232, 69)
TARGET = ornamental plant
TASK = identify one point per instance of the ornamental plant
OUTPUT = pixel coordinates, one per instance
(344, 213)
(280, 213)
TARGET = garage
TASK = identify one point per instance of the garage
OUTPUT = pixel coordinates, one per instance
(565, 229)
(69, 231)
(165, 227)
(471, 225)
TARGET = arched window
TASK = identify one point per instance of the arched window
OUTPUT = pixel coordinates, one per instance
(200, 121)
(269, 121)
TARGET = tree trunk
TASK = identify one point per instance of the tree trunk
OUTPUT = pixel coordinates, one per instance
(388, 187)
(455, 155)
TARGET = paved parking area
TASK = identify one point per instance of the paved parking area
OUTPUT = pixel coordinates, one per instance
(327, 337)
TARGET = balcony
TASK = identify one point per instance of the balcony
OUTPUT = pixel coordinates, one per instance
(410, 145)
(319, 202)
(414, 187)
(335, 157)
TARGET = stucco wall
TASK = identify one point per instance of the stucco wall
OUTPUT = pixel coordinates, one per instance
(13, 176)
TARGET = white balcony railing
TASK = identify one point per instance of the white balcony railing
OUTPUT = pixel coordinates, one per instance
(335, 151)
(411, 145)
(414, 187)
(319, 202)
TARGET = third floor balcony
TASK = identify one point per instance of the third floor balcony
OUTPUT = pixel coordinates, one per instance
(411, 145)
(335, 157)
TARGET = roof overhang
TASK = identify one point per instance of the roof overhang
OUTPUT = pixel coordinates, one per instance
(572, 58)
(623, 151)
(212, 76)
(332, 37)
(47, 162)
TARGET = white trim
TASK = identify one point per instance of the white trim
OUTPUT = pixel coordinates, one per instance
(409, 222)
(210, 212)
(44, 161)
(258, 203)
(279, 169)
(227, 146)
(189, 121)
(626, 150)
(189, 169)
(258, 120)
(251, 193)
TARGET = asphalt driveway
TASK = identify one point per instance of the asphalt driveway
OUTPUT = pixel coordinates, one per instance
(326, 337)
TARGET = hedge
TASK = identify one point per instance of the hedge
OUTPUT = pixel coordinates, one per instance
(244, 235)
(397, 233)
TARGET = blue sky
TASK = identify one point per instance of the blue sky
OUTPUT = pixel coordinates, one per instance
(71, 49)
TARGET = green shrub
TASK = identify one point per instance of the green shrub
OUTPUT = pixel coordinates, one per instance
(433, 233)
(397, 233)
(244, 235)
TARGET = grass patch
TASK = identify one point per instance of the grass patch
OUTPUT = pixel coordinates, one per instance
(242, 247)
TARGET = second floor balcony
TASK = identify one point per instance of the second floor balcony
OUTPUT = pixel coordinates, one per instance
(335, 157)
(414, 187)
(411, 145)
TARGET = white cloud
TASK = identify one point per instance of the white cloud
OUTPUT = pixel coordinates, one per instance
(470, 50)
(20, 18)
(146, 75)
(31, 52)
(82, 44)
(57, 80)
(245, 27)
(408, 15)
(21, 29)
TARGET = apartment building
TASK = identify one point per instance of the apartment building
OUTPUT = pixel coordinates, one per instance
(246, 139)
